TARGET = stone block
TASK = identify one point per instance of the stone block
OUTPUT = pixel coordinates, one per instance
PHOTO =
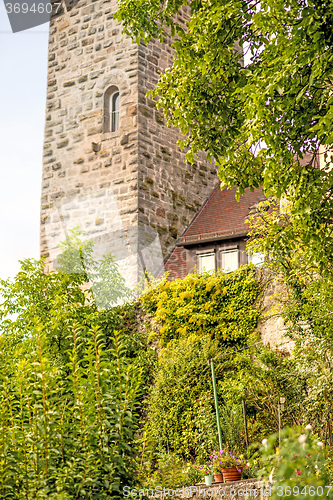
(62, 144)
(124, 140)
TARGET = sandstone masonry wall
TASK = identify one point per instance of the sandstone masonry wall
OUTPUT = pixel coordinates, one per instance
(171, 191)
(128, 190)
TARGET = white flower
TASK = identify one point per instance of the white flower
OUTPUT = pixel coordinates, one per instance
(302, 438)
(308, 427)
(320, 443)
(265, 442)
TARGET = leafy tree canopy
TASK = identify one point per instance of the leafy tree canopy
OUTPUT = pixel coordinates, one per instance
(256, 121)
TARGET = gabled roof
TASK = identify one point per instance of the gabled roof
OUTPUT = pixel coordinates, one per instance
(221, 216)
(175, 264)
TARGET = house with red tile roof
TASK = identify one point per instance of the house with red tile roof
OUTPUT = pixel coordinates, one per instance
(216, 237)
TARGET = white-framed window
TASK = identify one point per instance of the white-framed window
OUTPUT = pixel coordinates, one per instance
(257, 258)
(229, 259)
(111, 109)
(206, 262)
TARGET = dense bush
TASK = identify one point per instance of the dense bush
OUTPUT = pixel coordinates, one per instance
(220, 305)
(260, 378)
(181, 412)
(203, 317)
(61, 299)
(173, 472)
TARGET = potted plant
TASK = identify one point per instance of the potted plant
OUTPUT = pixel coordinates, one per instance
(216, 465)
(230, 465)
(207, 470)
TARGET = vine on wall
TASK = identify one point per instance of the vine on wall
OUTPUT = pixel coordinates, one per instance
(220, 305)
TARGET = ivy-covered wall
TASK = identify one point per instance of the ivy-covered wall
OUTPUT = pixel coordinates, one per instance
(224, 306)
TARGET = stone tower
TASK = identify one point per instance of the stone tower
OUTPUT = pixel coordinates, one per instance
(111, 165)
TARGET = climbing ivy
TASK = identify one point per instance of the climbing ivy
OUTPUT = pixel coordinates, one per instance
(180, 395)
(221, 305)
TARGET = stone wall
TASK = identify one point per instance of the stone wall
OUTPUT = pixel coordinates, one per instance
(271, 326)
(245, 489)
(129, 190)
(171, 191)
(93, 189)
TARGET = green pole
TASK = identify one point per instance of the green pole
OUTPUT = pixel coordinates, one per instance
(216, 404)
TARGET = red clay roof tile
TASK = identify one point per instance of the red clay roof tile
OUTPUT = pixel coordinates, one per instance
(222, 216)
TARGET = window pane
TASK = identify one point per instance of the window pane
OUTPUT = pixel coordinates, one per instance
(115, 121)
(206, 262)
(257, 258)
(114, 109)
(115, 102)
(229, 260)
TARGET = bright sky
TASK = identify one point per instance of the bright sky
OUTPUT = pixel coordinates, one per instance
(23, 63)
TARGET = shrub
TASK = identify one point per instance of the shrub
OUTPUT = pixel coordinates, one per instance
(260, 377)
(71, 369)
(219, 305)
(202, 316)
(66, 432)
(170, 471)
(298, 467)
(62, 299)
(74, 294)
(173, 472)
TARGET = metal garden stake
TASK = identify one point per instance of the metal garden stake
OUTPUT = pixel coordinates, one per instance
(280, 408)
(216, 404)
(245, 424)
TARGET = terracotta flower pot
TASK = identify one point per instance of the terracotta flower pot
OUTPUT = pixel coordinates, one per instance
(232, 473)
(218, 477)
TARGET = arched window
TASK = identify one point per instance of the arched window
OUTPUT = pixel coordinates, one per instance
(111, 109)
